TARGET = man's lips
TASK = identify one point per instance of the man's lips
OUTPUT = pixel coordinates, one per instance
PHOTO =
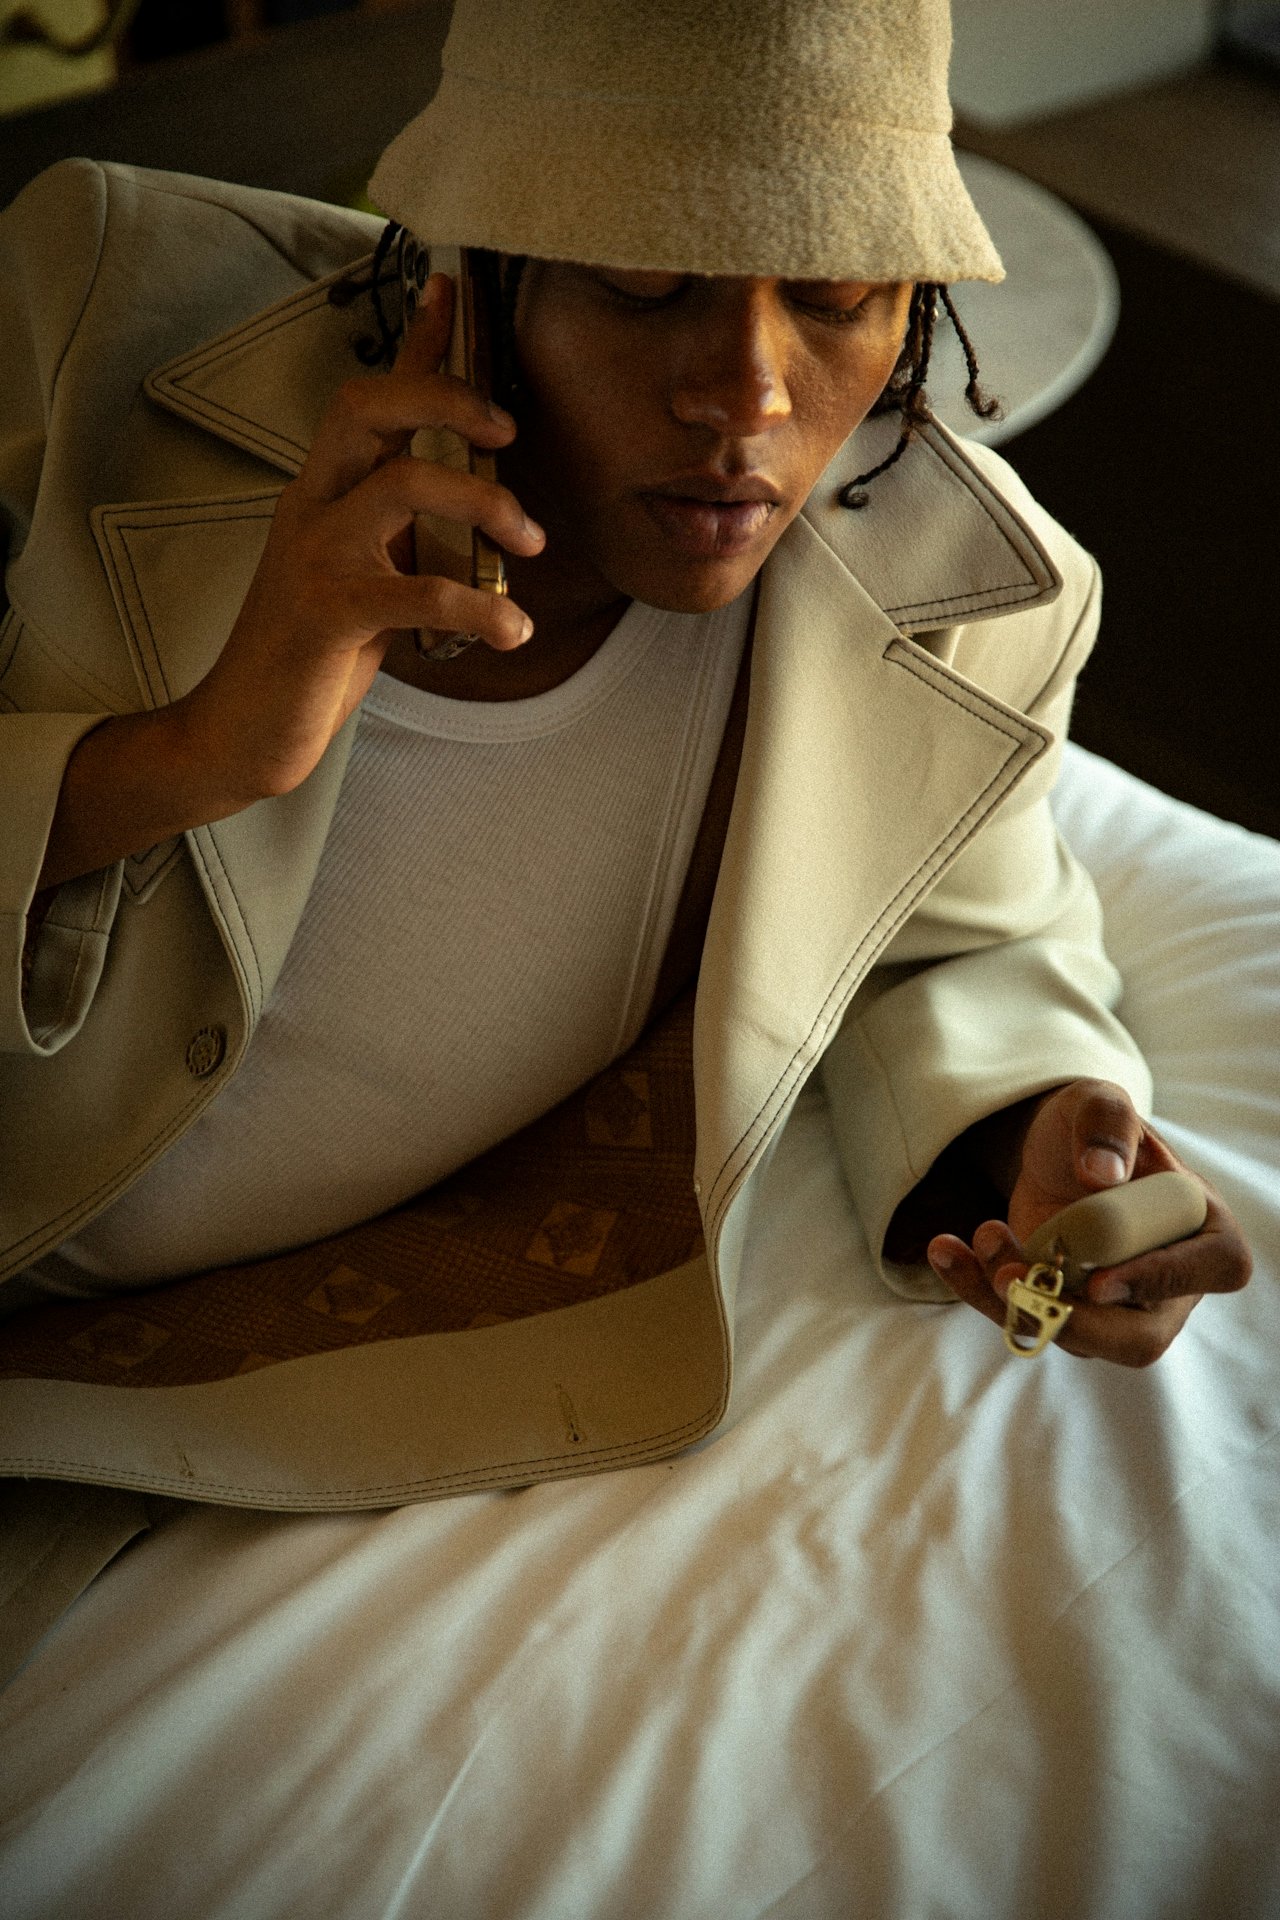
(710, 518)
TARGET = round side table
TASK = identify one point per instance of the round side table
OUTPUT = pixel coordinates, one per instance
(1041, 332)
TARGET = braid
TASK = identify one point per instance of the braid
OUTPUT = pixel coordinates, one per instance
(368, 351)
(498, 284)
(905, 392)
(986, 407)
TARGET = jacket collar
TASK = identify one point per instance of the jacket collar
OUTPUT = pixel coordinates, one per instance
(867, 767)
(263, 386)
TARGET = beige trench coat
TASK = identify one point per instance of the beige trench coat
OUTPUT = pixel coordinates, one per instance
(894, 902)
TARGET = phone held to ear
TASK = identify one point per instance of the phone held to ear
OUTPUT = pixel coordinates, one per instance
(443, 546)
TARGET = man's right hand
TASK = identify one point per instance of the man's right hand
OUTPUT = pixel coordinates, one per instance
(335, 581)
(333, 588)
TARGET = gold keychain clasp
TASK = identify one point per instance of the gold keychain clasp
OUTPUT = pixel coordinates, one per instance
(1037, 1298)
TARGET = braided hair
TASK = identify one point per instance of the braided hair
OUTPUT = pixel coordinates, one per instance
(904, 393)
(371, 351)
(499, 284)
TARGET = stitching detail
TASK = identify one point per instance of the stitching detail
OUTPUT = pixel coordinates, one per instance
(1001, 596)
(487, 1476)
(982, 493)
(83, 961)
(259, 438)
(891, 1096)
(141, 878)
(102, 921)
(782, 1087)
(35, 631)
(118, 522)
(188, 513)
(199, 858)
(927, 667)
(309, 298)
(10, 629)
(144, 621)
(173, 382)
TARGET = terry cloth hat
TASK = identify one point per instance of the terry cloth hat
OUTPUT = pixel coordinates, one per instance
(807, 139)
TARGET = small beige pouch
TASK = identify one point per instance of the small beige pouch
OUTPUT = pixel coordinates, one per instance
(1102, 1230)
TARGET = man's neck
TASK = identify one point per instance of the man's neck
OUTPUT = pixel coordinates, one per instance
(551, 657)
(573, 607)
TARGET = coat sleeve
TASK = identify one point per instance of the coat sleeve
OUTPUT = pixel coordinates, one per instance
(50, 241)
(998, 986)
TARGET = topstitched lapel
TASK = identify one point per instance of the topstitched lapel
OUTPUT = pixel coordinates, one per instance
(867, 766)
(179, 570)
(936, 544)
(264, 384)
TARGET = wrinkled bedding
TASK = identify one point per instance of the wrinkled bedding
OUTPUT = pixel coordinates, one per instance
(924, 1633)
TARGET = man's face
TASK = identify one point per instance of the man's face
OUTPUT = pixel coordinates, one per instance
(673, 425)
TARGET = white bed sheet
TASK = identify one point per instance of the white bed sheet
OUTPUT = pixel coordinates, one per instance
(924, 1634)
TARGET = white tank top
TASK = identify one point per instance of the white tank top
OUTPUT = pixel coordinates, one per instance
(485, 932)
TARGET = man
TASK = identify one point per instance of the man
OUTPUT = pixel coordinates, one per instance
(351, 947)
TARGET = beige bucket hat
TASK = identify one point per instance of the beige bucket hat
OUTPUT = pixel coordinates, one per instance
(803, 138)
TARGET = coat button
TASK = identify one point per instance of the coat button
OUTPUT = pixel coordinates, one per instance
(205, 1051)
(697, 1187)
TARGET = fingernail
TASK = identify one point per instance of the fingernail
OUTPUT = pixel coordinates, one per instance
(526, 629)
(1105, 1166)
(534, 531)
(987, 1242)
(1111, 1293)
(499, 415)
(943, 1260)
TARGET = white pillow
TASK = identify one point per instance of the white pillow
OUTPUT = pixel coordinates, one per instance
(1192, 909)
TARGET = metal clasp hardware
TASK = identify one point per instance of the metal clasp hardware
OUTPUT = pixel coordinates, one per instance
(1036, 1298)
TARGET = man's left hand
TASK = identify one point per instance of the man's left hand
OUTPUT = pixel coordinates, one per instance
(1083, 1137)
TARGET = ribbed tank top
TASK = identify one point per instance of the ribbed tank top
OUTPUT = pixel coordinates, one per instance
(484, 933)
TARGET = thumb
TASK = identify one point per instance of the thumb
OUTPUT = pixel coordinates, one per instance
(1106, 1132)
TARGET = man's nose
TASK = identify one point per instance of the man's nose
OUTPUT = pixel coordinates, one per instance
(736, 380)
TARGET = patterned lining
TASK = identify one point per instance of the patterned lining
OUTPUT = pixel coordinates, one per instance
(593, 1197)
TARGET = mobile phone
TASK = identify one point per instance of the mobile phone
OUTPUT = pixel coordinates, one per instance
(445, 546)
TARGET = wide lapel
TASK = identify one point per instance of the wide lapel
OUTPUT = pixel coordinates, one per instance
(264, 385)
(179, 570)
(867, 765)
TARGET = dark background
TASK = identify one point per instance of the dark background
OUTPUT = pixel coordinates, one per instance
(1163, 464)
